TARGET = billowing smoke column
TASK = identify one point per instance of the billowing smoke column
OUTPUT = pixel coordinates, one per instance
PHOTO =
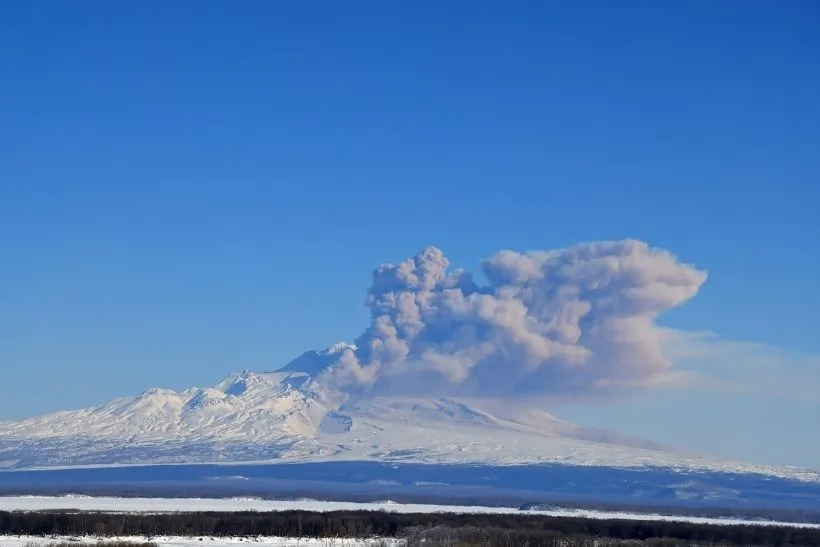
(570, 321)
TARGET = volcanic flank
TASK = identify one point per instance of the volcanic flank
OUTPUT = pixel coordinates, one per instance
(447, 371)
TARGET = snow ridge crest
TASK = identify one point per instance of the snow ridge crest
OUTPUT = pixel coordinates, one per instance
(288, 415)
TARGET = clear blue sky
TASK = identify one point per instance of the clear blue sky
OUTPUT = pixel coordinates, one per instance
(193, 188)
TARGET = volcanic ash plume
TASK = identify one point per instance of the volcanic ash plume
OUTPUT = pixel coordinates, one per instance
(574, 321)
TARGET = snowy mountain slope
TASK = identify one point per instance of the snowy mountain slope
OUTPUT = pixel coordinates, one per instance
(287, 416)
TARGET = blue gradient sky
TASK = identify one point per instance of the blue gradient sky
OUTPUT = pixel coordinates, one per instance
(194, 188)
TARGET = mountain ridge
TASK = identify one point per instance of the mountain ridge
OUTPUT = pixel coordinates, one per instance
(287, 415)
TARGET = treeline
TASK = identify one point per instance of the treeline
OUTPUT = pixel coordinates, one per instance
(525, 529)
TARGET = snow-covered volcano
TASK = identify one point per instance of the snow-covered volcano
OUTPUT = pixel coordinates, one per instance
(287, 415)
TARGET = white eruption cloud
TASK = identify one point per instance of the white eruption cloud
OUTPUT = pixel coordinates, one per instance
(572, 321)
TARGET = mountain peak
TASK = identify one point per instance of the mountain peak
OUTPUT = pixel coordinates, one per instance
(238, 382)
(338, 348)
(315, 361)
(285, 415)
(157, 391)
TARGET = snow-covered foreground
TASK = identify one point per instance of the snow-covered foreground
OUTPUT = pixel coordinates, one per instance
(171, 541)
(160, 505)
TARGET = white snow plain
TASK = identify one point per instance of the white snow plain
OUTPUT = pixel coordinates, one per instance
(170, 505)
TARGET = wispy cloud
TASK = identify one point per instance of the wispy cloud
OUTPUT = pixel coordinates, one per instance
(705, 360)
